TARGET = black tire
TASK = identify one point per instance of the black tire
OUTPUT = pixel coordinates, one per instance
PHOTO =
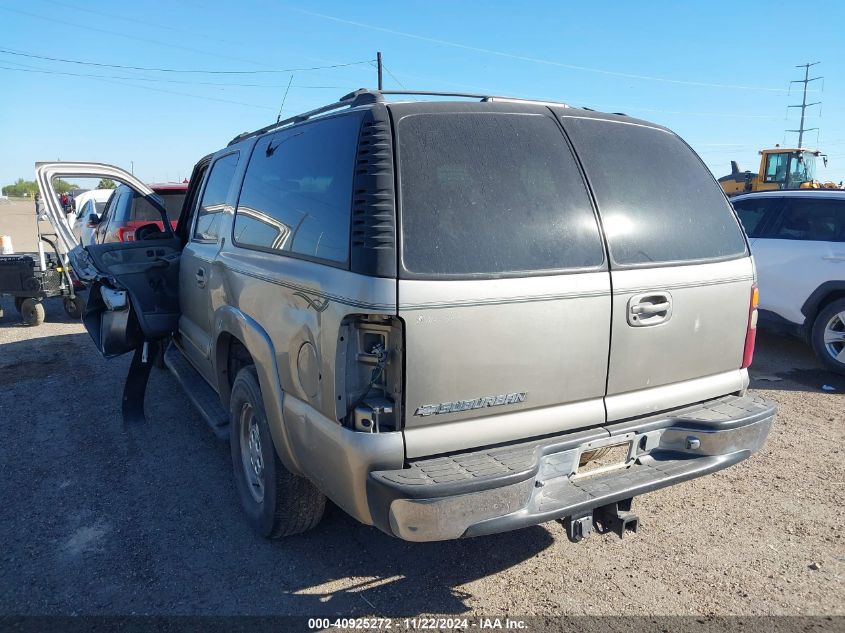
(18, 303)
(834, 315)
(74, 306)
(32, 311)
(288, 504)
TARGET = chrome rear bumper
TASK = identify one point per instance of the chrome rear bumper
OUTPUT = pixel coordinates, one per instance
(505, 488)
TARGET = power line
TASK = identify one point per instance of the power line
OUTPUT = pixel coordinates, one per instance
(180, 70)
(536, 60)
(172, 92)
(45, 71)
(115, 16)
(396, 79)
(608, 107)
(114, 33)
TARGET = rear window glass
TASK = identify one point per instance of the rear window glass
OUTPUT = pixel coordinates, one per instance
(753, 211)
(657, 201)
(143, 211)
(488, 193)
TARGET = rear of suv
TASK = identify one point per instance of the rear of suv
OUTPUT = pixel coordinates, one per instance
(451, 318)
(127, 210)
(798, 242)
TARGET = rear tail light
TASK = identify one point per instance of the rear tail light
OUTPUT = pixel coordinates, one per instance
(751, 331)
(125, 234)
(368, 388)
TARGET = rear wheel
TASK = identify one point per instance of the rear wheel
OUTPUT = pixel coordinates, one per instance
(828, 336)
(276, 502)
(18, 303)
(32, 311)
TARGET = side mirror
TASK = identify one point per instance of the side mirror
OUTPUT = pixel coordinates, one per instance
(93, 220)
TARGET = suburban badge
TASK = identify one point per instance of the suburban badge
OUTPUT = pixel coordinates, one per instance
(466, 405)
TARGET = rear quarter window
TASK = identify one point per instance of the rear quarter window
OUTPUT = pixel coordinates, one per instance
(296, 197)
(143, 211)
(491, 194)
(657, 201)
(756, 213)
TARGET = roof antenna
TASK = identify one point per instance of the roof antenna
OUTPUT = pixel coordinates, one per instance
(279, 116)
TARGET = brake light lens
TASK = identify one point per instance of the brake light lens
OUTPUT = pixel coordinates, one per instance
(125, 235)
(751, 332)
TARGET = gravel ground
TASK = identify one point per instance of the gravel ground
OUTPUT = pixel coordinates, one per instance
(17, 219)
(99, 518)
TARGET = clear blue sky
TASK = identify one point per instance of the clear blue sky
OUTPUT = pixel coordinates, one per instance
(715, 72)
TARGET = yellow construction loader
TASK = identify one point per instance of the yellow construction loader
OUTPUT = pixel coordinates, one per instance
(780, 168)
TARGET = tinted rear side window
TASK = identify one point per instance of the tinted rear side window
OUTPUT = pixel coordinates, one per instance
(657, 201)
(143, 211)
(297, 192)
(491, 194)
(812, 219)
(755, 213)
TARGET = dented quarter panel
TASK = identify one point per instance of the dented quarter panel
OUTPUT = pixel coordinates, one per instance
(292, 302)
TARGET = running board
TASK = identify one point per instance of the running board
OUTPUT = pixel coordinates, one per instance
(199, 392)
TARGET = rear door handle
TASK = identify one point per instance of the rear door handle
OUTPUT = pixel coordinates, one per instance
(201, 277)
(644, 309)
(649, 308)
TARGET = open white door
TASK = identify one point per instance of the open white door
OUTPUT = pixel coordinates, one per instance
(45, 172)
(134, 297)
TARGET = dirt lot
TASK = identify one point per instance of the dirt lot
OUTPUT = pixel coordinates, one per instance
(98, 518)
(17, 219)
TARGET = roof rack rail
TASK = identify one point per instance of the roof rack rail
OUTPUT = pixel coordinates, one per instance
(359, 97)
(364, 96)
(469, 95)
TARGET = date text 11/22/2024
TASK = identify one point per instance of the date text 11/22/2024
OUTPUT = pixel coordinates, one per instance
(418, 623)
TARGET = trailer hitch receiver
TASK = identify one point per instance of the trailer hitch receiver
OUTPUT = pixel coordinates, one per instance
(617, 517)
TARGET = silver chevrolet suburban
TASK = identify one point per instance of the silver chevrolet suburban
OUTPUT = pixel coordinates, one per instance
(452, 316)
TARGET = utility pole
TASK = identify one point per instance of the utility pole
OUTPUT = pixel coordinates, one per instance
(804, 105)
(378, 62)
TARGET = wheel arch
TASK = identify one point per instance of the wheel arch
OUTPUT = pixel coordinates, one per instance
(820, 298)
(234, 328)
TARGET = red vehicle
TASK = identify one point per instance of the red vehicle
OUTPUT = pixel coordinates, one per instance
(126, 211)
